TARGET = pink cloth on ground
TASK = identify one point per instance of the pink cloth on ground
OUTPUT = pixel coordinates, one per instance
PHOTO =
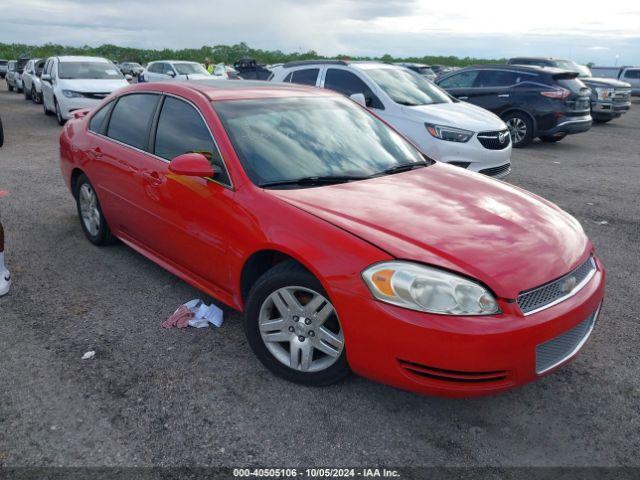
(180, 318)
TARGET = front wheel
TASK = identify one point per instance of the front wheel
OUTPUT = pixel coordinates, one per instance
(59, 117)
(293, 328)
(9, 87)
(44, 107)
(520, 128)
(92, 220)
(27, 94)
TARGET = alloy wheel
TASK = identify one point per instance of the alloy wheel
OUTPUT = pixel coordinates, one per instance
(517, 128)
(300, 328)
(89, 209)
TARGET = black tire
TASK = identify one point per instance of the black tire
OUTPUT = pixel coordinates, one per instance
(1, 134)
(61, 120)
(27, 94)
(524, 125)
(103, 236)
(34, 95)
(9, 87)
(287, 274)
(550, 139)
(44, 108)
(601, 120)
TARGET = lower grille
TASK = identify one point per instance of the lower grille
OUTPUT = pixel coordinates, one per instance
(558, 350)
(553, 292)
(497, 171)
(95, 96)
(441, 374)
(495, 140)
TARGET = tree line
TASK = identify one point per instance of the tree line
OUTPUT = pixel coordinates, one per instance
(217, 53)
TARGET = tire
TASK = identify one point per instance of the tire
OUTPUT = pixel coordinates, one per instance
(550, 139)
(520, 127)
(317, 362)
(61, 120)
(92, 221)
(1, 134)
(44, 107)
(34, 95)
(9, 87)
(27, 94)
(601, 120)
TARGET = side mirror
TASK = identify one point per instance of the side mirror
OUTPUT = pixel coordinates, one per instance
(358, 98)
(128, 77)
(193, 165)
(46, 77)
(171, 73)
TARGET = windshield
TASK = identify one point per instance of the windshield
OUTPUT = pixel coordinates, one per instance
(189, 68)
(406, 87)
(284, 139)
(425, 71)
(88, 70)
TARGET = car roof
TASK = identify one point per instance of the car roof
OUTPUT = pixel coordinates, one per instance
(170, 61)
(216, 90)
(80, 58)
(530, 68)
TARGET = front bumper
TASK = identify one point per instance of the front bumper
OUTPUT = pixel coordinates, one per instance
(570, 125)
(458, 356)
(609, 109)
(69, 105)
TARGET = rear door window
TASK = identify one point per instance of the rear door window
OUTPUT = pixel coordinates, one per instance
(348, 83)
(632, 74)
(181, 129)
(460, 80)
(307, 76)
(496, 78)
(131, 119)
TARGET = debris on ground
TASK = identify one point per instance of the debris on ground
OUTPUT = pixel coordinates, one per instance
(602, 222)
(88, 355)
(195, 313)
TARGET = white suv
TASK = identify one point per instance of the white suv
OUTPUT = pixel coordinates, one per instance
(442, 127)
(72, 83)
(31, 80)
(164, 70)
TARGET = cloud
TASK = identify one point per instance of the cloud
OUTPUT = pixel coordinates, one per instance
(357, 27)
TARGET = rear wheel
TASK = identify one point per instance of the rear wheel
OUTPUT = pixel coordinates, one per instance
(520, 128)
(293, 328)
(34, 95)
(550, 139)
(92, 220)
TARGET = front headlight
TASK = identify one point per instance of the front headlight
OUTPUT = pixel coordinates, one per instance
(604, 93)
(71, 94)
(428, 289)
(451, 134)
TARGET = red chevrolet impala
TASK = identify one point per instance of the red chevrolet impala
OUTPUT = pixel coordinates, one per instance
(346, 249)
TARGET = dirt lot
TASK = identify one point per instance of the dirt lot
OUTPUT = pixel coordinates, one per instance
(199, 397)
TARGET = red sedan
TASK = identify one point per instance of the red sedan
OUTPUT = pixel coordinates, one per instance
(346, 249)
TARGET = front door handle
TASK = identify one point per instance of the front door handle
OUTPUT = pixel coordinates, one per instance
(503, 95)
(96, 153)
(152, 177)
(463, 98)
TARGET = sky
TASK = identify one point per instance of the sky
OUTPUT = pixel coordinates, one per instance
(603, 32)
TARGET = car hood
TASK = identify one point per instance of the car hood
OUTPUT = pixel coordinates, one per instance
(508, 238)
(93, 85)
(604, 82)
(457, 114)
(197, 76)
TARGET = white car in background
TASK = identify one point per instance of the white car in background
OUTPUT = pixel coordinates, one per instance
(70, 83)
(442, 127)
(166, 70)
(31, 83)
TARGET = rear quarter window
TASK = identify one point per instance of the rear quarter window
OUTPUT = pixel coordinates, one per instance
(131, 119)
(97, 122)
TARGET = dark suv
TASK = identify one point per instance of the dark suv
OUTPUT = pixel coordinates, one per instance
(534, 102)
(610, 98)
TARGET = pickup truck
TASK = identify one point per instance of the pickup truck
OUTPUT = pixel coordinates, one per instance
(3, 68)
(630, 75)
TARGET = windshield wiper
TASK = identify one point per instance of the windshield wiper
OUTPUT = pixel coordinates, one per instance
(304, 181)
(405, 167)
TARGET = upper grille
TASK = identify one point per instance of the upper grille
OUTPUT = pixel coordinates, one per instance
(491, 140)
(497, 171)
(559, 349)
(538, 298)
(621, 96)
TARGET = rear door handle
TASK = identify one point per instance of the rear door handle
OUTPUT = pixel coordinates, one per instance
(503, 95)
(152, 177)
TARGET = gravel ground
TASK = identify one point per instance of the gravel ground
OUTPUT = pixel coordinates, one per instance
(199, 397)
